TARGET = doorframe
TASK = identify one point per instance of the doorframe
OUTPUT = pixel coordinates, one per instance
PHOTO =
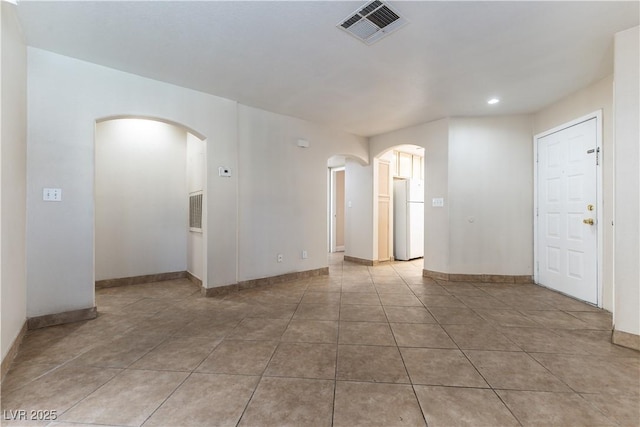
(332, 209)
(599, 199)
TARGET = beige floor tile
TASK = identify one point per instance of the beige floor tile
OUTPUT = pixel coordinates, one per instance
(149, 305)
(366, 333)
(113, 303)
(596, 320)
(508, 318)
(479, 337)
(274, 311)
(207, 328)
(21, 374)
(366, 287)
(428, 289)
(552, 409)
(174, 326)
(55, 349)
(432, 366)
(317, 312)
(177, 354)
(455, 316)
(556, 319)
(206, 400)
(239, 357)
(371, 363)
(329, 298)
(57, 390)
(561, 302)
(593, 374)
(369, 405)
(259, 329)
(311, 331)
(476, 301)
(408, 314)
(121, 352)
(625, 410)
(514, 371)
(362, 313)
(400, 299)
(128, 399)
(360, 298)
(541, 340)
(325, 287)
(597, 342)
(290, 402)
(453, 406)
(421, 335)
(303, 360)
(393, 289)
(159, 324)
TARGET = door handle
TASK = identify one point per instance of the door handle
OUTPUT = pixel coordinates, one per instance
(589, 221)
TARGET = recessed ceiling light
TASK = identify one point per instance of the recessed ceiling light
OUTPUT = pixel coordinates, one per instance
(493, 101)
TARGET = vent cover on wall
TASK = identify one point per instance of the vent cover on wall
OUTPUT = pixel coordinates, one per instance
(195, 211)
(372, 22)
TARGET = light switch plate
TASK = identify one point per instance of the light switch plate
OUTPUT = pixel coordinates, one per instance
(224, 172)
(437, 202)
(52, 194)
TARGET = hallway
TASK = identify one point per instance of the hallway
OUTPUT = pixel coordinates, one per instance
(363, 346)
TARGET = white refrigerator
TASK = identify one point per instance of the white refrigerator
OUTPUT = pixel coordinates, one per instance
(408, 219)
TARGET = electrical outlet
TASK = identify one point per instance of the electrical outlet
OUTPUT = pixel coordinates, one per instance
(52, 194)
(305, 255)
(280, 257)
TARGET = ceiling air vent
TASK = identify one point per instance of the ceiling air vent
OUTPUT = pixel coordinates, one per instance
(372, 22)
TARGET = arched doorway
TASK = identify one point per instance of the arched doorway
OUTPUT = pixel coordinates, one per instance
(399, 202)
(150, 201)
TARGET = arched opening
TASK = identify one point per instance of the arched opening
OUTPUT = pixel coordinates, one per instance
(399, 203)
(150, 201)
(337, 203)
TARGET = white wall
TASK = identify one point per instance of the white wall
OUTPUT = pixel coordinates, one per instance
(491, 195)
(196, 177)
(141, 198)
(434, 137)
(598, 96)
(626, 313)
(283, 191)
(358, 191)
(65, 98)
(13, 136)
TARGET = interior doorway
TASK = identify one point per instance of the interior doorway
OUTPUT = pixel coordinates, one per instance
(337, 214)
(403, 215)
(568, 203)
(150, 200)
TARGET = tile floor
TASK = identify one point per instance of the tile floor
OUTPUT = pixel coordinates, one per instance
(364, 346)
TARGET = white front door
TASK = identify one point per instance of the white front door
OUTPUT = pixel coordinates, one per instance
(567, 237)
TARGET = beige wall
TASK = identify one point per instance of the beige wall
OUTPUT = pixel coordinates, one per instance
(491, 195)
(141, 218)
(196, 179)
(13, 136)
(283, 191)
(482, 167)
(60, 153)
(626, 314)
(598, 96)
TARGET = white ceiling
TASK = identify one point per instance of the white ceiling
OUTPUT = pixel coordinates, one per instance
(288, 57)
